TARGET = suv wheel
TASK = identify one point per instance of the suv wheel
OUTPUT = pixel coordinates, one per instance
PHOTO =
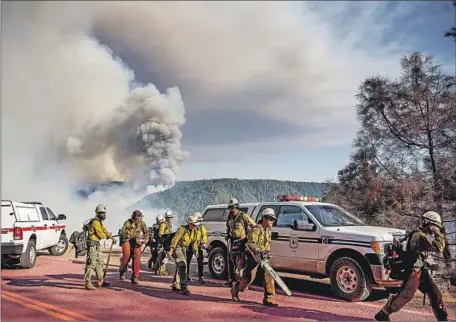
(348, 280)
(217, 263)
(61, 247)
(28, 258)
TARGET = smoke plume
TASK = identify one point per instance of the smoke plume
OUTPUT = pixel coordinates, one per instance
(73, 114)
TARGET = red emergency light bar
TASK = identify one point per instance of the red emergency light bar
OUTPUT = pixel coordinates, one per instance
(297, 198)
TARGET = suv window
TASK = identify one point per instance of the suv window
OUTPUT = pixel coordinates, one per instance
(213, 214)
(44, 214)
(219, 214)
(51, 214)
(288, 214)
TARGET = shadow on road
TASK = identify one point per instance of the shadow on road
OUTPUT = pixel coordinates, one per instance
(170, 295)
(40, 282)
(299, 313)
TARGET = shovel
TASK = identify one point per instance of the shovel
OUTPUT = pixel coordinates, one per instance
(107, 263)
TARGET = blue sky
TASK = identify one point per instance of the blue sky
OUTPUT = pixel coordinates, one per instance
(395, 28)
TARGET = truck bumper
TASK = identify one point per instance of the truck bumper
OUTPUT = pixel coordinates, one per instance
(12, 249)
(381, 277)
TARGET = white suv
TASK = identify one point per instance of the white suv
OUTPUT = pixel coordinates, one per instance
(316, 239)
(27, 227)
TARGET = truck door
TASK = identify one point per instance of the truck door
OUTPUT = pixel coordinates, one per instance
(299, 247)
(55, 230)
(46, 233)
(8, 220)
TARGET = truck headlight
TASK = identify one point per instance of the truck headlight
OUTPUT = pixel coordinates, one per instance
(378, 247)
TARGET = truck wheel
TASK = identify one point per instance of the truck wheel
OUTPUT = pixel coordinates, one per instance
(217, 263)
(28, 258)
(348, 280)
(60, 248)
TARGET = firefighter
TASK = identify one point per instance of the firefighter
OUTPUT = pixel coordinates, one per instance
(417, 276)
(135, 234)
(94, 262)
(201, 244)
(237, 227)
(169, 217)
(184, 237)
(259, 242)
(154, 242)
(164, 231)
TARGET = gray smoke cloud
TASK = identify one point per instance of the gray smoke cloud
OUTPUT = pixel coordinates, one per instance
(142, 138)
(73, 114)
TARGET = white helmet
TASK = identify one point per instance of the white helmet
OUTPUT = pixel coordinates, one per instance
(100, 208)
(233, 203)
(193, 220)
(160, 218)
(268, 212)
(169, 214)
(433, 218)
(198, 216)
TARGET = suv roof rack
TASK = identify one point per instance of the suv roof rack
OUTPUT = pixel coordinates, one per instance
(32, 202)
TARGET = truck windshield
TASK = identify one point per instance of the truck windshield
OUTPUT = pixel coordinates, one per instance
(330, 216)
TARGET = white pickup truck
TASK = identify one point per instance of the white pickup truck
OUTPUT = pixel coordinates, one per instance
(28, 227)
(316, 239)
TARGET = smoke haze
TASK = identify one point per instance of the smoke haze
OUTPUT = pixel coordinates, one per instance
(74, 115)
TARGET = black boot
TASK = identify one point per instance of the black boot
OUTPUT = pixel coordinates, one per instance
(382, 316)
(441, 314)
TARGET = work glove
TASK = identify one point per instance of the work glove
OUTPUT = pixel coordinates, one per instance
(114, 241)
(265, 255)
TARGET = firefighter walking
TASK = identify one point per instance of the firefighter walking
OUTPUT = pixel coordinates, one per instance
(201, 233)
(135, 234)
(154, 242)
(416, 275)
(184, 237)
(259, 243)
(94, 261)
(237, 227)
(164, 230)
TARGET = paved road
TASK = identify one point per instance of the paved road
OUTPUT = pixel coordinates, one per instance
(54, 290)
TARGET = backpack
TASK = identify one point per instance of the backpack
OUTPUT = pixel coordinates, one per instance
(167, 241)
(154, 236)
(397, 260)
(79, 239)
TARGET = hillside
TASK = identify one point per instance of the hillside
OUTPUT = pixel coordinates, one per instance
(189, 196)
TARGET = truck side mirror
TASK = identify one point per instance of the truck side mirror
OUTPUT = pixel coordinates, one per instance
(303, 225)
(61, 217)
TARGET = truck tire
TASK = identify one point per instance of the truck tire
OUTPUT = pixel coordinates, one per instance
(348, 280)
(28, 258)
(217, 263)
(60, 248)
